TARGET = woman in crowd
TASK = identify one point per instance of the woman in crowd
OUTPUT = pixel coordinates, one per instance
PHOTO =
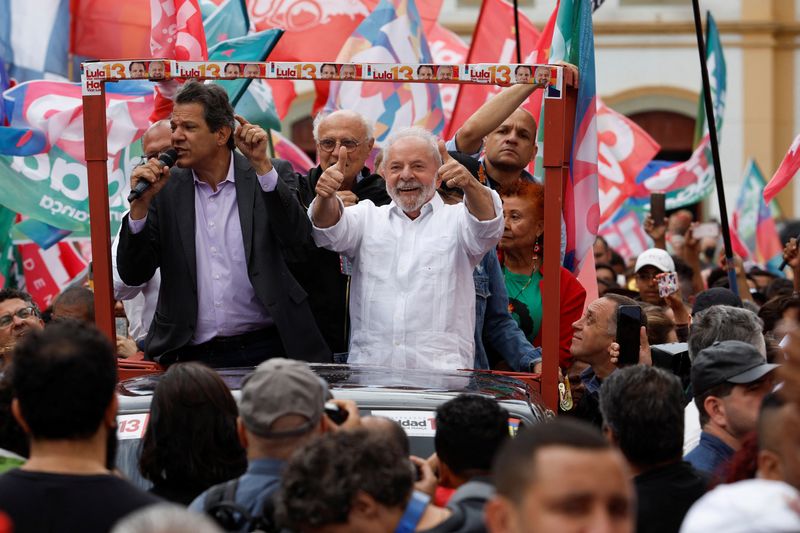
(521, 251)
(191, 442)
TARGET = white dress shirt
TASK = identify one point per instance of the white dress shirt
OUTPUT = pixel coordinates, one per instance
(412, 297)
(139, 301)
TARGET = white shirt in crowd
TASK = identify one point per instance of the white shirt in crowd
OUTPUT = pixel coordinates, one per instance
(139, 301)
(412, 298)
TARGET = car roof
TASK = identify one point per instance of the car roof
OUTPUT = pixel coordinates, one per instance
(362, 381)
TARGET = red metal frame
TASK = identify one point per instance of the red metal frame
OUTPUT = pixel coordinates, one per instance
(559, 118)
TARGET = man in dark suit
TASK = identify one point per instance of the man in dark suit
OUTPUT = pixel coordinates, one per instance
(216, 226)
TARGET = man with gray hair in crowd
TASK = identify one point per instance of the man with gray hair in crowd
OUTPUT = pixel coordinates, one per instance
(730, 379)
(412, 296)
(718, 323)
(322, 273)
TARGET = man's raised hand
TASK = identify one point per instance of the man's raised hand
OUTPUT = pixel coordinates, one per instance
(452, 173)
(251, 140)
(332, 178)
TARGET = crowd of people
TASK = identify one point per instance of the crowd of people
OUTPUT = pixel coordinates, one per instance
(670, 418)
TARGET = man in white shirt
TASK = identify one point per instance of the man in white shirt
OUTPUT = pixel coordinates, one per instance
(412, 300)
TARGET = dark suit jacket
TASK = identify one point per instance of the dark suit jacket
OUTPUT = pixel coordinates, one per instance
(269, 222)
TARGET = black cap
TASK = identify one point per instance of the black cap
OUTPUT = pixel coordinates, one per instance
(715, 296)
(728, 362)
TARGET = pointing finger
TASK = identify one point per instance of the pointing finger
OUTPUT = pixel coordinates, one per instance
(342, 162)
(241, 119)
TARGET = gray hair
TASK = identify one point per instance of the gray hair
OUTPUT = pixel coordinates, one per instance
(725, 323)
(366, 124)
(414, 132)
(166, 518)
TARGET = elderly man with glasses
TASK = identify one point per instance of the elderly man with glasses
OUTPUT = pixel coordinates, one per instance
(19, 315)
(322, 273)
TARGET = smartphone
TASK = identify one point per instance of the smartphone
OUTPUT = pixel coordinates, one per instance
(667, 283)
(121, 324)
(706, 229)
(337, 415)
(629, 321)
(658, 208)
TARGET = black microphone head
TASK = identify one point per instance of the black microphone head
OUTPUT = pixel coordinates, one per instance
(168, 157)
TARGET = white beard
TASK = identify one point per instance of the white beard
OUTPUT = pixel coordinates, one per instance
(411, 204)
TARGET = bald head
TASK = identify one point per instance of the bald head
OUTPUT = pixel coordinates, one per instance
(512, 145)
(157, 138)
(344, 126)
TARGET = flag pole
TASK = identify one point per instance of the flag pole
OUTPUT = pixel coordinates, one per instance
(516, 32)
(712, 133)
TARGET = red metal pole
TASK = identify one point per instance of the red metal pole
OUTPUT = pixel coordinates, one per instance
(96, 149)
(559, 122)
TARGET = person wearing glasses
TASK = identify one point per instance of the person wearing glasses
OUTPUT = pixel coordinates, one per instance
(19, 315)
(412, 294)
(322, 273)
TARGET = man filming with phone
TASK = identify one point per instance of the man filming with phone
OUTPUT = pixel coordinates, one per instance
(607, 323)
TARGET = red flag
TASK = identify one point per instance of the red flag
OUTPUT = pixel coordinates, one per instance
(315, 31)
(493, 42)
(109, 28)
(789, 168)
(624, 149)
(447, 47)
(176, 30)
(48, 271)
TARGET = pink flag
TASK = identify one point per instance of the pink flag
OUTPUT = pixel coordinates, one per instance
(789, 168)
(624, 149)
(176, 30)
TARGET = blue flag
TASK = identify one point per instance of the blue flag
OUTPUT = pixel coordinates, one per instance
(228, 21)
(253, 47)
(34, 37)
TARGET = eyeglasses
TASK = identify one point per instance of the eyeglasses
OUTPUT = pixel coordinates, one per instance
(329, 145)
(24, 313)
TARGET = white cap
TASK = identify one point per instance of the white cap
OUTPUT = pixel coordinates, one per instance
(753, 505)
(658, 258)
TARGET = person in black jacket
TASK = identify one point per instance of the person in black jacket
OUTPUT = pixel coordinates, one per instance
(322, 273)
(642, 409)
(216, 226)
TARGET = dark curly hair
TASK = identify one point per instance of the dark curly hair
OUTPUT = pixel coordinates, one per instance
(473, 419)
(191, 440)
(322, 480)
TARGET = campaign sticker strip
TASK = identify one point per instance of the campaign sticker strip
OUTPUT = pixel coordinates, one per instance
(549, 77)
(422, 72)
(415, 423)
(316, 71)
(95, 73)
(131, 427)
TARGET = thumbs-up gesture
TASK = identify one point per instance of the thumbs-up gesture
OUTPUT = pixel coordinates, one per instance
(332, 178)
(452, 173)
(251, 140)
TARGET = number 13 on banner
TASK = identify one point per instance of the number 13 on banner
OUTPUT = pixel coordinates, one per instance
(131, 426)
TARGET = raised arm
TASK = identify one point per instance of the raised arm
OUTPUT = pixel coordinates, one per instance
(325, 211)
(489, 116)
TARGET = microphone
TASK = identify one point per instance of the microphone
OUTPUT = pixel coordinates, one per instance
(167, 159)
(784, 263)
